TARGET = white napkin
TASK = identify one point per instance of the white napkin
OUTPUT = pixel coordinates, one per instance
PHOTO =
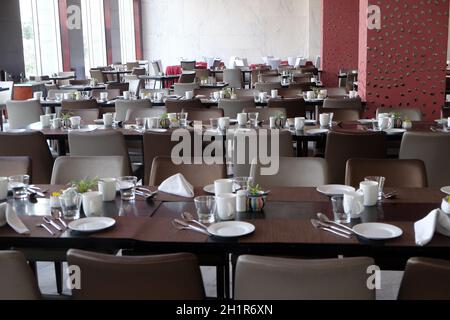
(177, 185)
(14, 221)
(3, 214)
(435, 221)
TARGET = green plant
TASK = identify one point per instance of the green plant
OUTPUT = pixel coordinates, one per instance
(254, 190)
(85, 185)
(396, 115)
(65, 115)
(164, 116)
(280, 116)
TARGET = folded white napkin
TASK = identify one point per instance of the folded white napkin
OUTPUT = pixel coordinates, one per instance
(177, 185)
(435, 221)
(9, 215)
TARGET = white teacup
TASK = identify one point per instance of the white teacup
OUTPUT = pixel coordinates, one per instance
(224, 123)
(324, 119)
(37, 95)
(108, 119)
(223, 186)
(189, 95)
(3, 188)
(242, 119)
(353, 94)
(370, 192)
(262, 96)
(104, 96)
(45, 120)
(126, 95)
(353, 203)
(92, 203)
(300, 123)
(274, 94)
(107, 187)
(226, 206)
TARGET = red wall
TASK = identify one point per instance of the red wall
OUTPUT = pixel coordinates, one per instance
(340, 38)
(403, 64)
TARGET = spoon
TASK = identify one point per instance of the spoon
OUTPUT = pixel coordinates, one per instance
(188, 217)
(56, 214)
(324, 218)
(318, 225)
(46, 228)
(51, 222)
(181, 225)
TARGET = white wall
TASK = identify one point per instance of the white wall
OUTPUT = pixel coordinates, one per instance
(193, 29)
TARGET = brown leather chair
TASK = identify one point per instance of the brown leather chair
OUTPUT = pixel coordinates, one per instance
(176, 106)
(342, 146)
(188, 65)
(30, 144)
(343, 114)
(187, 77)
(198, 175)
(231, 107)
(76, 82)
(290, 93)
(159, 277)
(79, 104)
(266, 113)
(425, 279)
(17, 281)
(122, 86)
(268, 278)
(295, 107)
(342, 102)
(300, 86)
(398, 173)
(87, 115)
(203, 114)
(11, 166)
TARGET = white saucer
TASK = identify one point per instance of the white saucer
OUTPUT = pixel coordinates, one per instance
(231, 229)
(92, 224)
(377, 231)
(366, 121)
(157, 130)
(334, 189)
(317, 131)
(446, 190)
(395, 131)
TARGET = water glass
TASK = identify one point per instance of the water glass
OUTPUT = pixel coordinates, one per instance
(140, 123)
(70, 202)
(253, 117)
(127, 186)
(182, 118)
(380, 181)
(243, 183)
(206, 208)
(19, 186)
(338, 210)
(214, 123)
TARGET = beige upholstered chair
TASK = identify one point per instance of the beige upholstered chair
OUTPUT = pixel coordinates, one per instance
(51, 94)
(202, 73)
(343, 114)
(234, 78)
(267, 87)
(266, 113)
(112, 93)
(23, 113)
(122, 107)
(180, 89)
(246, 93)
(100, 143)
(266, 278)
(176, 106)
(17, 281)
(122, 86)
(12, 166)
(293, 172)
(231, 107)
(164, 277)
(68, 169)
(432, 149)
(413, 114)
(187, 77)
(131, 65)
(98, 75)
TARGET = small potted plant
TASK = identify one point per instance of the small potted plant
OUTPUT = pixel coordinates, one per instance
(407, 124)
(65, 119)
(280, 121)
(397, 119)
(256, 199)
(85, 185)
(164, 121)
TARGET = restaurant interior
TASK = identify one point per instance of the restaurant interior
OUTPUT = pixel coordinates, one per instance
(224, 150)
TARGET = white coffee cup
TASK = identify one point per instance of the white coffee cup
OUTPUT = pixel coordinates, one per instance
(300, 123)
(223, 186)
(370, 191)
(274, 94)
(310, 95)
(324, 119)
(353, 94)
(159, 96)
(384, 122)
(45, 120)
(107, 187)
(224, 123)
(272, 121)
(92, 203)
(226, 206)
(56, 123)
(189, 95)
(75, 122)
(216, 95)
(67, 96)
(104, 96)
(242, 119)
(353, 204)
(262, 96)
(108, 119)
(3, 188)
(324, 93)
(126, 95)
(37, 95)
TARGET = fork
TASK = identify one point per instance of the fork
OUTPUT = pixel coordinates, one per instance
(180, 225)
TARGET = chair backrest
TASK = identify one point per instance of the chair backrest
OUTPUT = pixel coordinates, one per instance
(79, 104)
(112, 93)
(432, 149)
(98, 75)
(267, 87)
(203, 114)
(12, 166)
(137, 278)
(295, 107)
(139, 71)
(274, 63)
(342, 146)
(233, 77)
(246, 147)
(293, 172)
(343, 114)
(267, 278)
(342, 102)
(231, 107)
(68, 169)
(290, 93)
(7, 94)
(300, 86)
(425, 279)
(187, 77)
(17, 281)
(122, 86)
(122, 107)
(156, 67)
(79, 81)
(413, 114)
(188, 65)
(30, 144)
(202, 73)
(23, 113)
(176, 106)
(100, 143)
(87, 115)
(206, 92)
(198, 175)
(180, 89)
(133, 114)
(266, 113)
(131, 65)
(398, 173)
(51, 94)
(246, 93)
(135, 84)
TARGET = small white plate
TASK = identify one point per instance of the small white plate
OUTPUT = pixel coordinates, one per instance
(157, 130)
(334, 189)
(366, 121)
(209, 189)
(231, 229)
(377, 231)
(446, 190)
(317, 131)
(395, 131)
(92, 224)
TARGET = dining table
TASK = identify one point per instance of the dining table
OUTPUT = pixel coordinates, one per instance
(117, 73)
(165, 80)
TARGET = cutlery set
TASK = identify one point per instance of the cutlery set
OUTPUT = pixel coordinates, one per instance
(145, 193)
(325, 224)
(51, 222)
(187, 222)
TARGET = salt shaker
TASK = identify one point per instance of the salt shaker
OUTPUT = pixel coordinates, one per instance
(241, 201)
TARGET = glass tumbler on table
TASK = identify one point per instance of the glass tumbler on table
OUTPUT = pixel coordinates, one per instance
(338, 210)
(243, 183)
(19, 186)
(127, 186)
(214, 124)
(182, 117)
(253, 117)
(380, 181)
(70, 202)
(206, 207)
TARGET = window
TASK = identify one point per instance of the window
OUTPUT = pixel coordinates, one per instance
(41, 37)
(127, 40)
(92, 13)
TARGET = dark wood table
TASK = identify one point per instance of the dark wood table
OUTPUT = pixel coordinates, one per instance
(56, 78)
(82, 87)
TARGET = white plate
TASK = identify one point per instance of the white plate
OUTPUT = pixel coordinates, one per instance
(334, 189)
(231, 229)
(157, 130)
(446, 190)
(317, 131)
(366, 121)
(377, 231)
(395, 131)
(92, 224)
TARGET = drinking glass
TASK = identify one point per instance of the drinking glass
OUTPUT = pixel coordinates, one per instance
(19, 186)
(182, 117)
(338, 210)
(214, 123)
(380, 181)
(140, 123)
(243, 183)
(253, 117)
(206, 208)
(70, 202)
(127, 186)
